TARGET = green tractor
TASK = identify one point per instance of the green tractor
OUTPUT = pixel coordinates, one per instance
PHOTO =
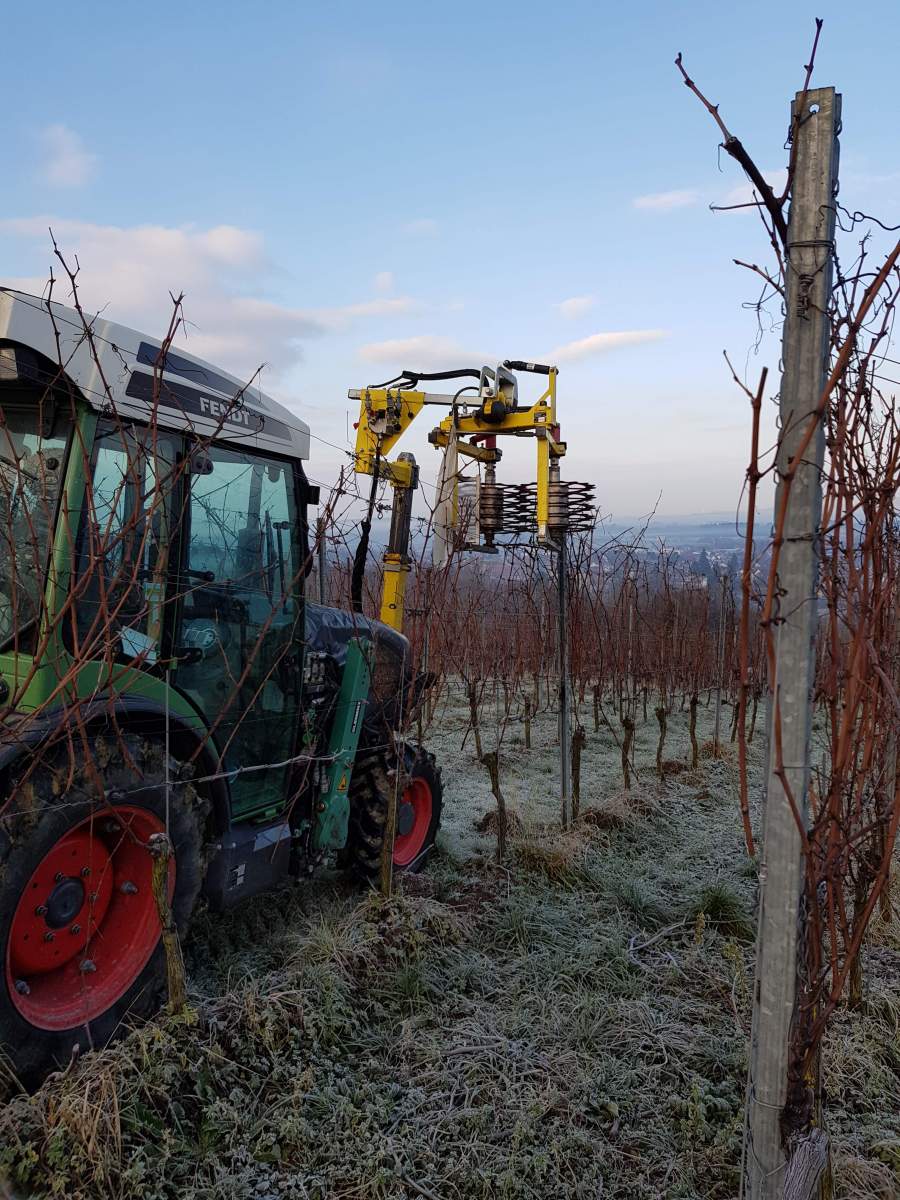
(163, 679)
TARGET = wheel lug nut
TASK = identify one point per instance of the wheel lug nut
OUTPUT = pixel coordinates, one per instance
(75, 929)
(111, 827)
(48, 936)
(128, 888)
(22, 988)
(85, 871)
(41, 910)
(87, 966)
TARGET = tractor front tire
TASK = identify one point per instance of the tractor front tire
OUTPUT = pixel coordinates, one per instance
(79, 927)
(419, 807)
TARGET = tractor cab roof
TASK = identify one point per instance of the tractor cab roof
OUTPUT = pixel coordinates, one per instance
(116, 371)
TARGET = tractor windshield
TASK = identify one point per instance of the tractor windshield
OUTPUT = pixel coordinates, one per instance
(31, 462)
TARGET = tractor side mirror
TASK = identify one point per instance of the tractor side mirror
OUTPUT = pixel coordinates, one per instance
(200, 463)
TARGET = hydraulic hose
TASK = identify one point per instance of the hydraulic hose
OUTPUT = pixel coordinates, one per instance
(362, 548)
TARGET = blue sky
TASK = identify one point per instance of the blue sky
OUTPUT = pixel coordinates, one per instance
(343, 190)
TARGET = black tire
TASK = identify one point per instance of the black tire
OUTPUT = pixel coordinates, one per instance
(370, 793)
(36, 818)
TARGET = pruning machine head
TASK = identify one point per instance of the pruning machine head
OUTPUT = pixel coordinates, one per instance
(472, 508)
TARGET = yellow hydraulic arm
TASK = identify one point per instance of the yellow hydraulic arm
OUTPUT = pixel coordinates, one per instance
(387, 411)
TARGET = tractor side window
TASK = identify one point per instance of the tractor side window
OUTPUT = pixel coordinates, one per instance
(123, 545)
(240, 609)
(242, 523)
(31, 471)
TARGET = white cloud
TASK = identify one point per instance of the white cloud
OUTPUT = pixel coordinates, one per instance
(384, 282)
(422, 227)
(128, 273)
(576, 306)
(427, 351)
(66, 161)
(231, 246)
(430, 351)
(381, 306)
(666, 201)
(602, 343)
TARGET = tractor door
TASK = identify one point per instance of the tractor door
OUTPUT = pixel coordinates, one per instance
(123, 546)
(241, 619)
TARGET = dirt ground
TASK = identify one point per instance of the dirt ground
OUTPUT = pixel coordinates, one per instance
(570, 1023)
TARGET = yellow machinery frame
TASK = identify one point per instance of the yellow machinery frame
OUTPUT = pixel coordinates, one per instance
(385, 413)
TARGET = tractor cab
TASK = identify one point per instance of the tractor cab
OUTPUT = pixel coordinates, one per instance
(153, 531)
(162, 684)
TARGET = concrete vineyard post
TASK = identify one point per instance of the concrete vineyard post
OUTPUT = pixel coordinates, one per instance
(809, 269)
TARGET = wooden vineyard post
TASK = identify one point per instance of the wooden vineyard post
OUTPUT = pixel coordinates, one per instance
(692, 729)
(720, 662)
(160, 849)
(320, 556)
(565, 783)
(492, 761)
(391, 788)
(473, 717)
(661, 717)
(891, 756)
(579, 739)
(627, 741)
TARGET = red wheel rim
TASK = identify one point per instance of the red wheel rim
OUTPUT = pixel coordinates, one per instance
(415, 812)
(86, 923)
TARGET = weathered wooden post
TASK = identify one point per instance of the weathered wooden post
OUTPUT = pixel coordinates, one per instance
(720, 662)
(565, 784)
(320, 556)
(579, 739)
(160, 850)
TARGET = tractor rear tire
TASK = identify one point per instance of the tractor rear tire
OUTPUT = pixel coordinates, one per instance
(74, 864)
(418, 816)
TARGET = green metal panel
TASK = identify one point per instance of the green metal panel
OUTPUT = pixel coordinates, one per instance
(51, 682)
(333, 807)
(38, 682)
(91, 682)
(56, 679)
(69, 518)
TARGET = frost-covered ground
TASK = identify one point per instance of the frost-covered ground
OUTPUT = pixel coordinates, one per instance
(571, 1023)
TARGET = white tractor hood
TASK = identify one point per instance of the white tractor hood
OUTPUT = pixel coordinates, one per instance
(116, 375)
